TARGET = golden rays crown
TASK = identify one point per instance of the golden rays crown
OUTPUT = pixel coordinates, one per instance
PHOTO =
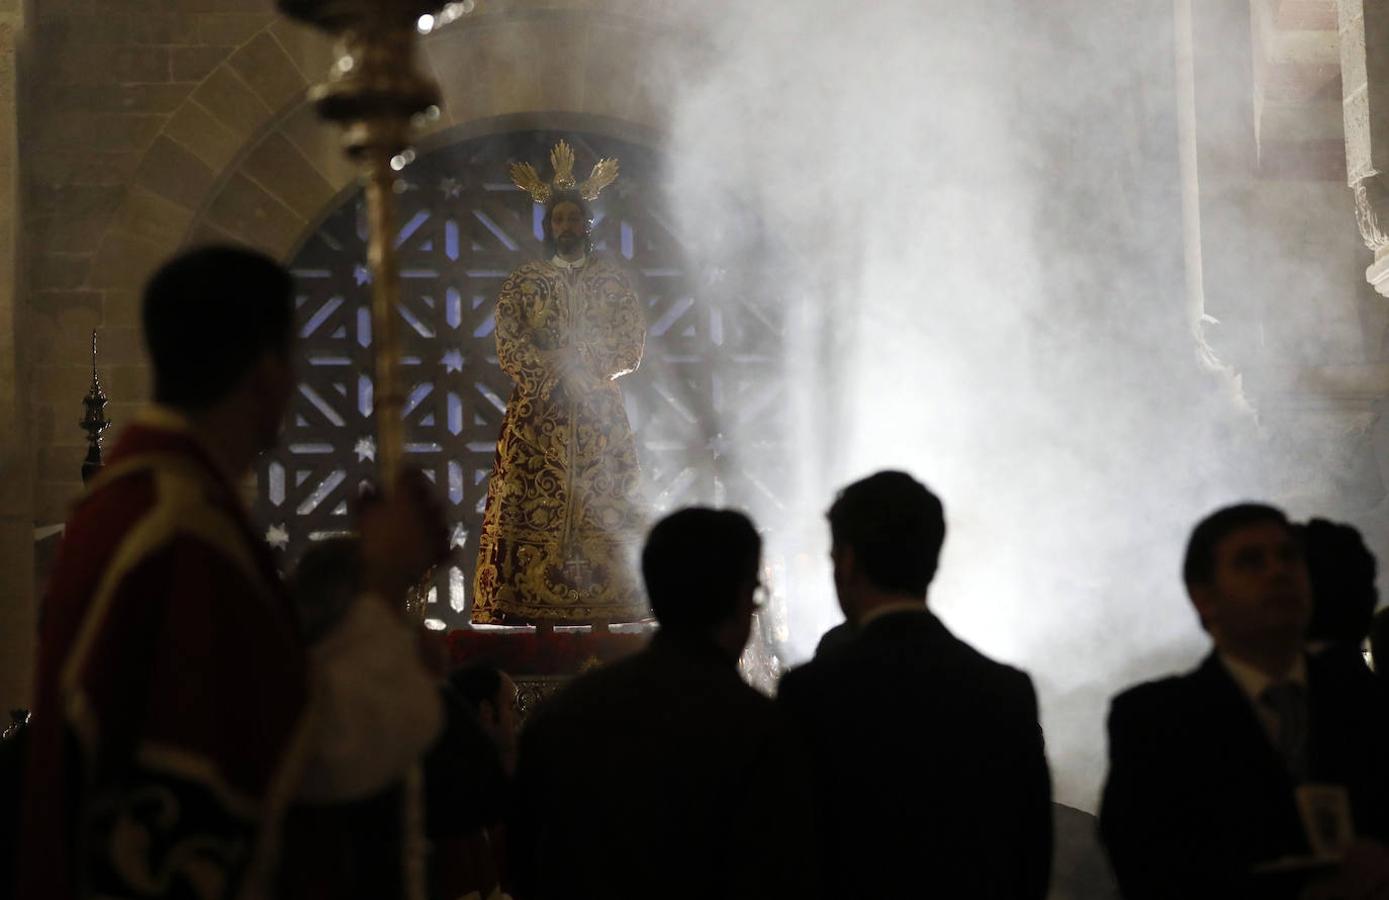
(524, 176)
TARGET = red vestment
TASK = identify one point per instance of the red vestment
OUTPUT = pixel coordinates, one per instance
(169, 725)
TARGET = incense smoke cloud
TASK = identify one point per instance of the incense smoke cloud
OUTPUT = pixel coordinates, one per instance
(979, 210)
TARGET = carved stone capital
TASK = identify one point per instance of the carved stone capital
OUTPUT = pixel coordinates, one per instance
(1372, 212)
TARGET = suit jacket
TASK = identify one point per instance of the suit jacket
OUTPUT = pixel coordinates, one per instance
(1197, 794)
(661, 775)
(930, 773)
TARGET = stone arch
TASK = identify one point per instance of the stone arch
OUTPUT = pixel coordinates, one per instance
(244, 158)
(230, 150)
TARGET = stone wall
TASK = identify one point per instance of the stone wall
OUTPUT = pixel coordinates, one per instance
(16, 463)
(156, 123)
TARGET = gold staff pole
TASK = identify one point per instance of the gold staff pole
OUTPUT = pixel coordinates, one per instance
(375, 93)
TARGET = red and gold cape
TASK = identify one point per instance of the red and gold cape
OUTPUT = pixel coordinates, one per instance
(170, 719)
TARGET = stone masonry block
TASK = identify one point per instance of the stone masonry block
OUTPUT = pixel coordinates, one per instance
(58, 271)
(42, 422)
(612, 59)
(321, 145)
(452, 61)
(173, 172)
(281, 169)
(507, 64)
(231, 29)
(74, 202)
(53, 500)
(61, 324)
(311, 51)
(59, 235)
(62, 385)
(164, 28)
(561, 66)
(121, 346)
(248, 212)
(101, 132)
(145, 214)
(204, 136)
(57, 9)
(75, 310)
(263, 64)
(120, 307)
(128, 387)
(83, 167)
(133, 98)
(58, 463)
(232, 102)
(96, 64)
(125, 261)
(205, 232)
(195, 63)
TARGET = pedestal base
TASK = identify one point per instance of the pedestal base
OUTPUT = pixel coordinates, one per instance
(542, 660)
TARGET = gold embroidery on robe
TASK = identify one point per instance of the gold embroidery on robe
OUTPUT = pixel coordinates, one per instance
(564, 516)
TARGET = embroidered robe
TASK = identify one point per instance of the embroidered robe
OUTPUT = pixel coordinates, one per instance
(564, 514)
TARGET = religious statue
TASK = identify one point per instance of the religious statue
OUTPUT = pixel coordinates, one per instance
(564, 514)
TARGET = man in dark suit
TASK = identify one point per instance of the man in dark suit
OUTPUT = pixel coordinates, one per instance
(1204, 766)
(1341, 571)
(664, 775)
(930, 773)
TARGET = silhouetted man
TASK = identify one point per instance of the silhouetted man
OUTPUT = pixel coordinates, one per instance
(1341, 571)
(179, 710)
(1379, 644)
(930, 773)
(1204, 766)
(468, 781)
(665, 775)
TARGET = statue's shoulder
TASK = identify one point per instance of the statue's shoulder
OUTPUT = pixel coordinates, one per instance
(535, 272)
(606, 266)
(535, 268)
(607, 262)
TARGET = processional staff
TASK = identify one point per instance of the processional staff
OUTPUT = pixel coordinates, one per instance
(375, 93)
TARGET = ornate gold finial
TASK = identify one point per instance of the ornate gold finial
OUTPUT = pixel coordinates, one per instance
(524, 176)
(94, 422)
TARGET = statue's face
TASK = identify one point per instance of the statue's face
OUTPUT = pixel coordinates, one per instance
(569, 227)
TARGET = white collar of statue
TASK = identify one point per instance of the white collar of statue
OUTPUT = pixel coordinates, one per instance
(571, 265)
(524, 176)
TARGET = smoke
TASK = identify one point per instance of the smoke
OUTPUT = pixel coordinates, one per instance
(972, 215)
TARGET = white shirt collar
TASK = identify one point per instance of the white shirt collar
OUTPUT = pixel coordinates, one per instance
(888, 609)
(1252, 682)
(562, 263)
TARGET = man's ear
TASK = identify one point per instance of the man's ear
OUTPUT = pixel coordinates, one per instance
(269, 375)
(1206, 600)
(487, 713)
(845, 563)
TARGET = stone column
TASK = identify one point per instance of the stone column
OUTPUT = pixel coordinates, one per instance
(1365, 88)
(16, 462)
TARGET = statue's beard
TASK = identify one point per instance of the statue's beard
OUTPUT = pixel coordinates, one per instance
(569, 243)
